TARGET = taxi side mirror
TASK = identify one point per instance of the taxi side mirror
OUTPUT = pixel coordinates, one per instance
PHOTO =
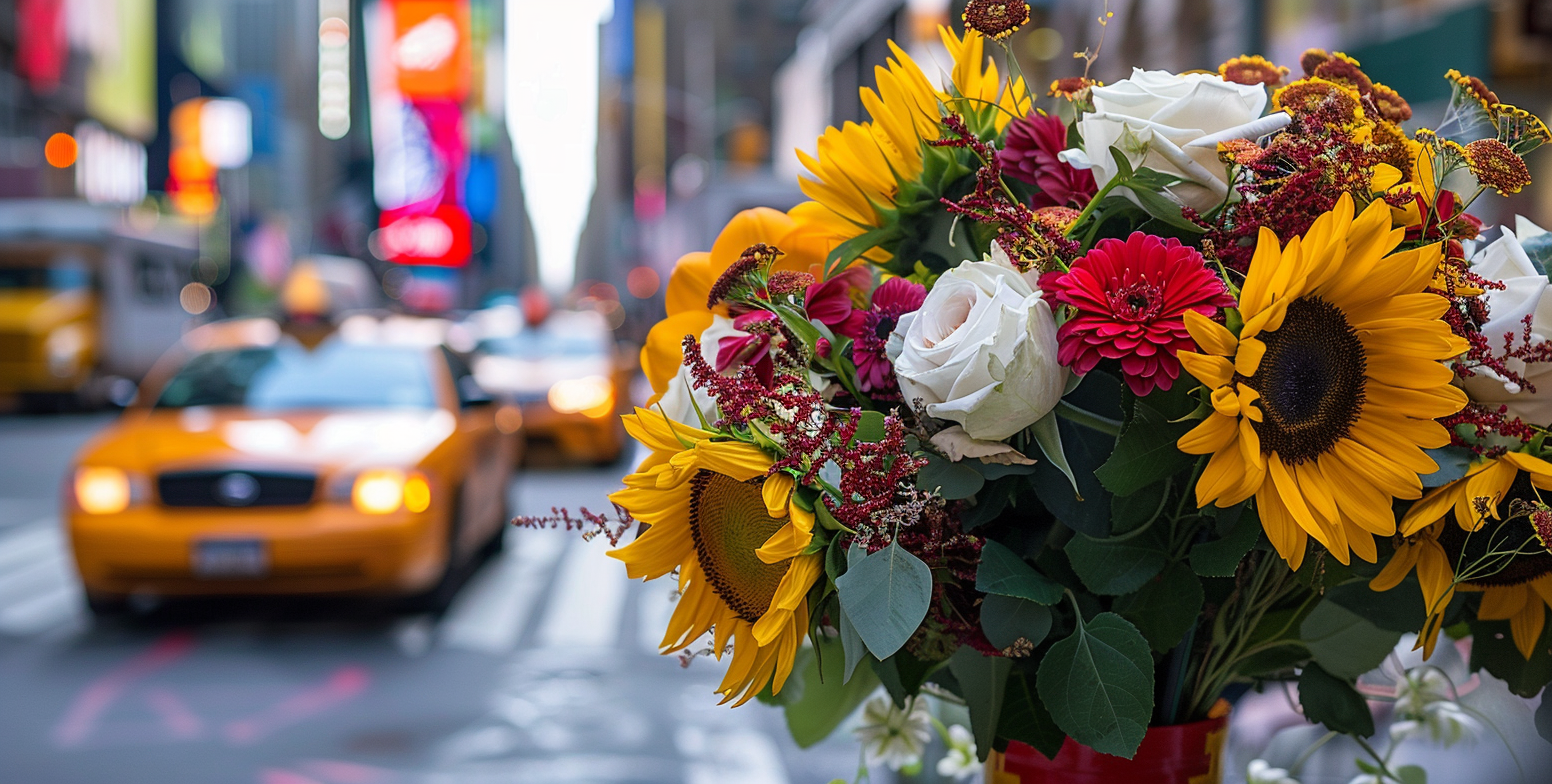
(471, 394)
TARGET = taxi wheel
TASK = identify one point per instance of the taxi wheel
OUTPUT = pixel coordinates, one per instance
(436, 599)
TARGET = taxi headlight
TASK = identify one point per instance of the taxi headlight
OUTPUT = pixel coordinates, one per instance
(102, 490)
(384, 490)
(590, 395)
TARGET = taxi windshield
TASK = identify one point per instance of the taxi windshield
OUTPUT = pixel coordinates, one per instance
(288, 377)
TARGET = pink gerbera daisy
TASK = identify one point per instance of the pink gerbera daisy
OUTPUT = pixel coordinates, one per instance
(1130, 300)
(891, 300)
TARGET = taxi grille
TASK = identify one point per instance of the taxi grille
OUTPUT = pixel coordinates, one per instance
(235, 488)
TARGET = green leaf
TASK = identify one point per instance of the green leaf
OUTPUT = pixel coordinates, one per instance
(1412, 774)
(1110, 567)
(848, 251)
(1087, 510)
(1130, 512)
(981, 682)
(1165, 608)
(1004, 573)
(851, 642)
(1048, 435)
(826, 700)
(903, 675)
(953, 481)
(1544, 718)
(1344, 643)
(1399, 609)
(1123, 165)
(886, 594)
(1219, 558)
(870, 427)
(1162, 207)
(1005, 619)
(1098, 684)
(1493, 649)
(1452, 461)
(1025, 718)
(1145, 452)
(1334, 702)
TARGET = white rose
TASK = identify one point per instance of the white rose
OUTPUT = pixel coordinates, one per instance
(981, 351)
(1172, 124)
(1526, 293)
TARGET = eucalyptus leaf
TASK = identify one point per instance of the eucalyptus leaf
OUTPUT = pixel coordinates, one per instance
(886, 595)
(1004, 573)
(1048, 436)
(826, 698)
(1344, 643)
(1007, 619)
(1453, 461)
(981, 681)
(1334, 702)
(1098, 684)
(1412, 774)
(954, 481)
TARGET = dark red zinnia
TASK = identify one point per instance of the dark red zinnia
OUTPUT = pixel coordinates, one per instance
(1029, 154)
(892, 299)
(1130, 300)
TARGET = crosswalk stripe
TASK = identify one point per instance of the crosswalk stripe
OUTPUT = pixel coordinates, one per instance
(38, 585)
(29, 542)
(497, 605)
(41, 611)
(587, 598)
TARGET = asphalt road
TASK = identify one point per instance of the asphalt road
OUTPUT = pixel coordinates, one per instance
(543, 670)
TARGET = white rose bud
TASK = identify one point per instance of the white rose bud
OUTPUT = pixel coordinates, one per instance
(1172, 123)
(981, 351)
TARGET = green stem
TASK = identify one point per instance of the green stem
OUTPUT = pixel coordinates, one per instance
(1293, 770)
(1380, 761)
(1088, 209)
(1088, 419)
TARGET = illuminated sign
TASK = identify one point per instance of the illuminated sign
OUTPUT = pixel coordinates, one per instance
(438, 238)
(431, 51)
(111, 169)
(191, 178)
(225, 132)
(333, 68)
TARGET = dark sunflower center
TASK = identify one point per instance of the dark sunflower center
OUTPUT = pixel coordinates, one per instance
(1498, 537)
(1311, 381)
(728, 521)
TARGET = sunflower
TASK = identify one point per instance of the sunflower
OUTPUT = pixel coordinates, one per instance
(694, 274)
(1449, 556)
(736, 536)
(859, 167)
(1323, 400)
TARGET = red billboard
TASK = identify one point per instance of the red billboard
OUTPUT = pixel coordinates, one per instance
(439, 237)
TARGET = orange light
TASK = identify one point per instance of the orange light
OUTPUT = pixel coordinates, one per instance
(417, 493)
(642, 282)
(509, 419)
(378, 491)
(102, 490)
(60, 150)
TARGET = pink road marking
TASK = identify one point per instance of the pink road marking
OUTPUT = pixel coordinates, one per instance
(339, 772)
(278, 776)
(81, 719)
(344, 684)
(180, 720)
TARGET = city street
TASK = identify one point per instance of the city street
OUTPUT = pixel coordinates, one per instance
(543, 670)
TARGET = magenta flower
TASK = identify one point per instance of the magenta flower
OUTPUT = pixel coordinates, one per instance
(1029, 154)
(829, 302)
(1130, 300)
(753, 347)
(891, 300)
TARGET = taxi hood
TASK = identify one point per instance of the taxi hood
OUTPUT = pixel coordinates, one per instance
(325, 441)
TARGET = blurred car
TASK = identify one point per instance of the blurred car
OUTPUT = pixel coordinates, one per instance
(252, 464)
(569, 379)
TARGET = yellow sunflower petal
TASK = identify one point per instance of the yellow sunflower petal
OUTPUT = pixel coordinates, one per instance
(1502, 602)
(1211, 336)
(1526, 625)
(1396, 569)
(1212, 434)
(1212, 370)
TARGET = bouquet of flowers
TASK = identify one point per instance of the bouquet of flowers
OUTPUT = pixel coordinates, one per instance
(1089, 416)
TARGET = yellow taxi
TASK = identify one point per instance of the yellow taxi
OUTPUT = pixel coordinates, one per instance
(365, 461)
(568, 379)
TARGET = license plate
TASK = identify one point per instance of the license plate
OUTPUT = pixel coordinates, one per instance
(227, 558)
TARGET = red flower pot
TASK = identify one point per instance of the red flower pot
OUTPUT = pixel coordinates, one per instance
(1181, 754)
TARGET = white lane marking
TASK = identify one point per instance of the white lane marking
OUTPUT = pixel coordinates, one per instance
(39, 589)
(656, 602)
(491, 613)
(588, 598)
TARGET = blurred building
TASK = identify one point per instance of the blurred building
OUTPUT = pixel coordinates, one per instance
(686, 112)
(253, 118)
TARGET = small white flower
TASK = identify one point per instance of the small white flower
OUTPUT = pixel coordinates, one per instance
(960, 762)
(1448, 723)
(1261, 772)
(894, 736)
(1365, 778)
(1421, 687)
(1404, 730)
